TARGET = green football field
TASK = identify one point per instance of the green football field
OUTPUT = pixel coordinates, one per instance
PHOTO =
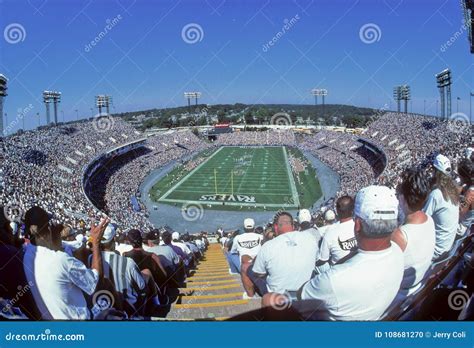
(232, 178)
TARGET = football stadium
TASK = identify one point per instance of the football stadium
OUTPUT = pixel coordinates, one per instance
(238, 212)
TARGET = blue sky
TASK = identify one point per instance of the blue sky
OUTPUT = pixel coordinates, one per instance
(143, 61)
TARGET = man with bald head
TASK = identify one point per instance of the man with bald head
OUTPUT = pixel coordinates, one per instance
(287, 261)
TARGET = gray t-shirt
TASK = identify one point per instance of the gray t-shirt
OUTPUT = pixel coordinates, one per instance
(171, 258)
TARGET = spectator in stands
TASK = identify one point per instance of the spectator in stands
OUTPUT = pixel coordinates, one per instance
(12, 275)
(466, 174)
(305, 221)
(168, 257)
(245, 244)
(244, 249)
(339, 240)
(123, 272)
(443, 206)
(329, 220)
(287, 261)
(416, 237)
(144, 259)
(186, 252)
(57, 279)
(363, 287)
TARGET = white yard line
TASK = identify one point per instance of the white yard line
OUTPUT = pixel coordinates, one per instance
(187, 176)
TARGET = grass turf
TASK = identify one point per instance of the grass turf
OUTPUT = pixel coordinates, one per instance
(232, 178)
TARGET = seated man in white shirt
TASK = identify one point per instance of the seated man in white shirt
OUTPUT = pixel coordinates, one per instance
(287, 261)
(365, 285)
(416, 237)
(58, 280)
(339, 239)
(329, 221)
(244, 249)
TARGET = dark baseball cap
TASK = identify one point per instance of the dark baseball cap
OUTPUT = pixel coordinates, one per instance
(135, 236)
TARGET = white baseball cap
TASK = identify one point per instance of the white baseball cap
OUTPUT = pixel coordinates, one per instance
(249, 223)
(175, 236)
(443, 164)
(376, 203)
(304, 216)
(109, 234)
(329, 215)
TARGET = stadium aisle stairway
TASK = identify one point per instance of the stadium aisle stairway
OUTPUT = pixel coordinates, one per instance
(211, 292)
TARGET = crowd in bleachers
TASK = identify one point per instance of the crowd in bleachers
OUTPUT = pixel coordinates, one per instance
(374, 253)
(75, 267)
(269, 137)
(44, 167)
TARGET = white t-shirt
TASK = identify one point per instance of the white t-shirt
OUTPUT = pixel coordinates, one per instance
(58, 281)
(446, 219)
(223, 240)
(123, 248)
(288, 260)
(361, 288)
(338, 241)
(248, 243)
(183, 247)
(419, 251)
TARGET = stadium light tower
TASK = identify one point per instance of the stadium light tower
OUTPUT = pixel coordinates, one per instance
(443, 80)
(189, 96)
(400, 93)
(102, 101)
(47, 101)
(3, 94)
(397, 96)
(405, 96)
(322, 92)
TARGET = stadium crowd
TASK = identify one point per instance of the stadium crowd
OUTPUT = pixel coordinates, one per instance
(72, 262)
